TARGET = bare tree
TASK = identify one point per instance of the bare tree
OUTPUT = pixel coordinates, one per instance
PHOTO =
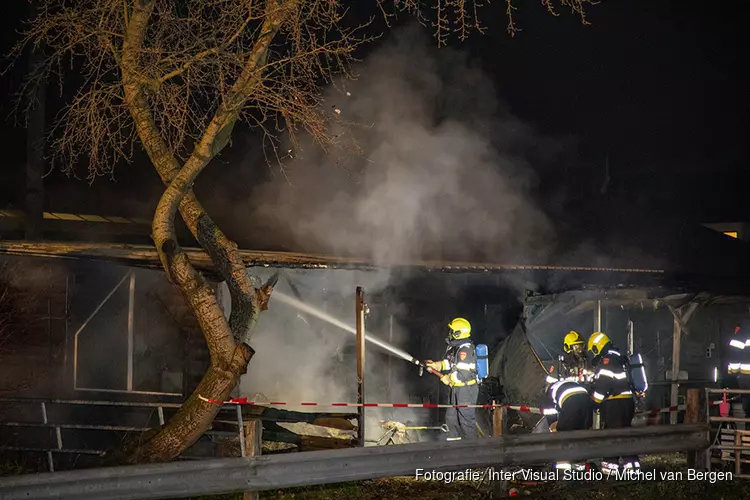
(175, 76)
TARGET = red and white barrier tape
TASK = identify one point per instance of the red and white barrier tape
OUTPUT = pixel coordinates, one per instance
(670, 409)
(525, 409)
(244, 401)
(522, 409)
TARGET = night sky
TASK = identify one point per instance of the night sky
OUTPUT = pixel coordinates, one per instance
(658, 87)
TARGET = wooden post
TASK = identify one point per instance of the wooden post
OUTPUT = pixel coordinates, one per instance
(598, 317)
(253, 448)
(390, 370)
(35, 146)
(498, 418)
(360, 303)
(597, 328)
(498, 422)
(681, 317)
(677, 331)
(631, 347)
(737, 453)
(695, 413)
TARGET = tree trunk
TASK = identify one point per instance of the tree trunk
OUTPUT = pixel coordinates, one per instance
(195, 415)
(228, 341)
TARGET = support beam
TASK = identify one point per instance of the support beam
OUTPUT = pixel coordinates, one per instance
(253, 445)
(597, 421)
(681, 318)
(676, 334)
(631, 342)
(35, 142)
(360, 309)
(389, 392)
(231, 475)
(696, 413)
(598, 316)
(498, 418)
(131, 330)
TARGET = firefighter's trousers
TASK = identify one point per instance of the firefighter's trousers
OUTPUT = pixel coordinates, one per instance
(743, 381)
(576, 414)
(462, 422)
(616, 414)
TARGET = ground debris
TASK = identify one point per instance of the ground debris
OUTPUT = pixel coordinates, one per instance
(275, 446)
(305, 429)
(390, 425)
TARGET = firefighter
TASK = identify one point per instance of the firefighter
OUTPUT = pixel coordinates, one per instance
(574, 360)
(460, 374)
(611, 390)
(739, 365)
(572, 411)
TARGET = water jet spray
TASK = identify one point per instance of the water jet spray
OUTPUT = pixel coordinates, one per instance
(314, 311)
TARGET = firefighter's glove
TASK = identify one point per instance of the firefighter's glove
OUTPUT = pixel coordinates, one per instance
(446, 379)
(553, 427)
(435, 365)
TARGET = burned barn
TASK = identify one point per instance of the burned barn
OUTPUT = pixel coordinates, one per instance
(105, 327)
(102, 328)
(679, 317)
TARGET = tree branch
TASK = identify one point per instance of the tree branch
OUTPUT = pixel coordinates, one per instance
(223, 252)
(188, 64)
(245, 299)
(200, 296)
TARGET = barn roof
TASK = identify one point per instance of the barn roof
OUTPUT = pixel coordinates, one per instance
(146, 256)
(614, 243)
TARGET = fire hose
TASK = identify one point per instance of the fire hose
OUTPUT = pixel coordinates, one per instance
(443, 428)
(422, 367)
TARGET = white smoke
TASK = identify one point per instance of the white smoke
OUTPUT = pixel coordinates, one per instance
(302, 358)
(442, 171)
(441, 175)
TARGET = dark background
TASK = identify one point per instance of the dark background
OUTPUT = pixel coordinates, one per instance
(658, 88)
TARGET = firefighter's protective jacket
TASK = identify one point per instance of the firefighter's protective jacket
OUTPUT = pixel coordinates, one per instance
(560, 391)
(460, 361)
(739, 356)
(611, 378)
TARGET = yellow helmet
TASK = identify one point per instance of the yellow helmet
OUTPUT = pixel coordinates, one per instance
(597, 341)
(460, 328)
(571, 339)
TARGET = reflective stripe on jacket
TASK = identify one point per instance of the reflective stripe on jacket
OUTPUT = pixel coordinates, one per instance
(461, 361)
(739, 357)
(611, 378)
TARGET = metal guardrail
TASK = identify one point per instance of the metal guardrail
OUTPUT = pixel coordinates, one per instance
(233, 475)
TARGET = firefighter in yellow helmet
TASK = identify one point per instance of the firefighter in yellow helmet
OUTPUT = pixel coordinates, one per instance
(571, 407)
(460, 369)
(611, 390)
(573, 362)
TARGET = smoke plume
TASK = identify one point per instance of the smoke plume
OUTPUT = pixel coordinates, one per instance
(441, 170)
(441, 173)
